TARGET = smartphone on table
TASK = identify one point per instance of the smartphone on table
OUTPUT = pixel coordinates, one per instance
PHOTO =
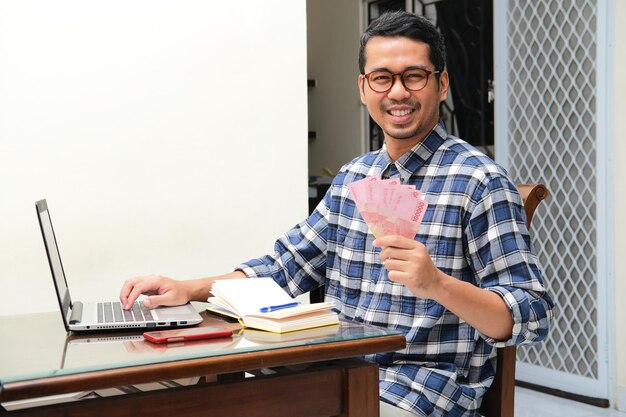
(190, 333)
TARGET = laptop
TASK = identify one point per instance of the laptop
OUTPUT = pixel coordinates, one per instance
(96, 316)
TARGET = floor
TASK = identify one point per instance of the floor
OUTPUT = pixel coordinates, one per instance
(529, 403)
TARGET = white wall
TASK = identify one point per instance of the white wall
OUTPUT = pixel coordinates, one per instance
(334, 105)
(168, 137)
(617, 87)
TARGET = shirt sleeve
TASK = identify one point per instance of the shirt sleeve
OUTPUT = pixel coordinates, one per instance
(501, 254)
(298, 264)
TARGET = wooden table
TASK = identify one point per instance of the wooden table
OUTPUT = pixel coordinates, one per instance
(315, 373)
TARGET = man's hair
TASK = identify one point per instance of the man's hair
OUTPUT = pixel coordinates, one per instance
(400, 23)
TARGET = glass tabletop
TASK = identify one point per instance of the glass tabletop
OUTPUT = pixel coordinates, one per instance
(37, 346)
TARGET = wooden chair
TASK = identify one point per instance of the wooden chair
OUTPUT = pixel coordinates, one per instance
(499, 398)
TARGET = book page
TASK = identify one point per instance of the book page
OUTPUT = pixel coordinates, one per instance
(248, 295)
(294, 311)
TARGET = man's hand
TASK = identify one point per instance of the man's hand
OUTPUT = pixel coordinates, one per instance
(161, 291)
(409, 263)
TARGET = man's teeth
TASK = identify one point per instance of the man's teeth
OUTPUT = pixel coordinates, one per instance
(400, 112)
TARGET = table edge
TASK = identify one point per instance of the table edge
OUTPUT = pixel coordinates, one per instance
(213, 365)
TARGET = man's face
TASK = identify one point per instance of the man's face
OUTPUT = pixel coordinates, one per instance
(402, 114)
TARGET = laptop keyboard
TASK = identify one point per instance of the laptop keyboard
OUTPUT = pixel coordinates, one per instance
(114, 313)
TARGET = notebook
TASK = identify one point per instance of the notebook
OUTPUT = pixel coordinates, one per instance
(107, 315)
(260, 303)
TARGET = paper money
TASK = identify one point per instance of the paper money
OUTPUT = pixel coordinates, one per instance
(389, 207)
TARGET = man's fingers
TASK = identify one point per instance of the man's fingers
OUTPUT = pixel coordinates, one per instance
(395, 241)
(393, 264)
(157, 300)
(134, 287)
(398, 276)
(125, 292)
(390, 253)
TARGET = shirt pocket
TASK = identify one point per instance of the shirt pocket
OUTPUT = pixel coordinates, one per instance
(357, 260)
(405, 310)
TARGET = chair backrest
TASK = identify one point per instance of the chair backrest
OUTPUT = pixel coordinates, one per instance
(499, 398)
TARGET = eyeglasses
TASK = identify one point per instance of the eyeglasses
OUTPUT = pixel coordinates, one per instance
(413, 79)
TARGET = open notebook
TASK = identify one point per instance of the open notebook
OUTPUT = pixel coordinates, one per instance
(261, 303)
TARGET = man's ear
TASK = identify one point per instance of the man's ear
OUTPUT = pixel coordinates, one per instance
(444, 82)
(361, 87)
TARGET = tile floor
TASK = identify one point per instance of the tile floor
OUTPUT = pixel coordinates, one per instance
(529, 403)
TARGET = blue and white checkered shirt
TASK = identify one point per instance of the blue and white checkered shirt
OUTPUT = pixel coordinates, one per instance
(474, 229)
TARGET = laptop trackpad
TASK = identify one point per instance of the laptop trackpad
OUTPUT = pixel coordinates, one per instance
(174, 313)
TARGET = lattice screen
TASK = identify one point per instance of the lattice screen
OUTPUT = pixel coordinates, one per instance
(552, 139)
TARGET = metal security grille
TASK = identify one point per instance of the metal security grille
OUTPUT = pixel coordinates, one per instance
(550, 122)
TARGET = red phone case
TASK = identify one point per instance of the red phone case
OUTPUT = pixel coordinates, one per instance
(181, 335)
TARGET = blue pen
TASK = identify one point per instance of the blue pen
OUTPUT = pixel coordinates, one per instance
(278, 307)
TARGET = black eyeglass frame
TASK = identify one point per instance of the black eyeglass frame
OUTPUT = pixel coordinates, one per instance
(401, 74)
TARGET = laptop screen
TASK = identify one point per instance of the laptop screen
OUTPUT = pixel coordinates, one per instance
(54, 259)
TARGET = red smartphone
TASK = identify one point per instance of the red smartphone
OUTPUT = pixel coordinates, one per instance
(181, 335)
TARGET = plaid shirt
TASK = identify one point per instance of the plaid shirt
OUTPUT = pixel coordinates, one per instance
(474, 229)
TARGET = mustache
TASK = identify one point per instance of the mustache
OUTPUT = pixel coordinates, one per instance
(410, 102)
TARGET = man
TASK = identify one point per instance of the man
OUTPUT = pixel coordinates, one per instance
(467, 282)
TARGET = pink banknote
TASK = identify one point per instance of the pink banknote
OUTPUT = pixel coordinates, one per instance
(389, 207)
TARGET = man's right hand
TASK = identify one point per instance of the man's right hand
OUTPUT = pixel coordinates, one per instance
(161, 291)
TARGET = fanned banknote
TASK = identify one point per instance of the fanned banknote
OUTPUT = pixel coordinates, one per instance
(389, 207)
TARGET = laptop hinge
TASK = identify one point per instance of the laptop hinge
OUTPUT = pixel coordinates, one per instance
(77, 313)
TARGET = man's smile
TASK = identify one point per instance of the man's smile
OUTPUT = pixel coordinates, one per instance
(400, 112)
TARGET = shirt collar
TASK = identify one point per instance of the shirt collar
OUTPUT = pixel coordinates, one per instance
(417, 157)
